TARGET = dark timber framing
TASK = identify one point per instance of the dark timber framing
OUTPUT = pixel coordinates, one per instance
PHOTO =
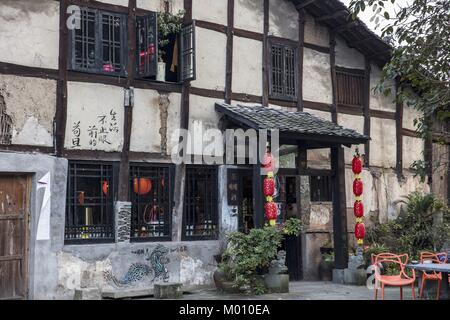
(300, 52)
(61, 88)
(399, 126)
(266, 56)
(334, 107)
(124, 171)
(366, 110)
(229, 57)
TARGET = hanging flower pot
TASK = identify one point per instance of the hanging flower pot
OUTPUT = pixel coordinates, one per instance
(358, 209)
(105, 188)
(269, 187)
(360, 231)
(357, 165)
(142, 186)
(358, 187)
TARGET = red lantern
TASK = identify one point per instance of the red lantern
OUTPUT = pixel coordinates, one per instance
(358, 209)
(271, 209)
(358, 187)
(105, 188)
(360, 231)
(142, 186)
(269, 187)
(357, 165)
(267, 162)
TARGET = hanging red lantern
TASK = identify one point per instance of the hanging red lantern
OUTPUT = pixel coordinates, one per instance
(360, 231)
(269, 187)
(142, 186)
(358, 209)
(358, 187)
(105, 188)
(357, 165)
(271, 209)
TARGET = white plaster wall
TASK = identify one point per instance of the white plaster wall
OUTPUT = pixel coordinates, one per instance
(211, 52)
(412, 150)
(247, 66)
(321, 114)
(348, 57)
(409, 115)
(355, 123)
(87, 103)
(118, 2)
(249, 15)
(31, 104)
(202, 116)
(317, 77)
(210, 10)
(316, 33)
(158, 5)
(383, 146)
(145, 131)
(378, 101)
(30, 33)
(283, 19)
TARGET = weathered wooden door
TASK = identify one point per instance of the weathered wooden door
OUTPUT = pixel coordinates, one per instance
(14, 233)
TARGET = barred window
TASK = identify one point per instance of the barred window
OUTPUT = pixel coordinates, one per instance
(99, 45)
(320, 188)
(200, 221)
(187, 53)
(151, 198)
(90, 203)
(350, 87)
(283, 71)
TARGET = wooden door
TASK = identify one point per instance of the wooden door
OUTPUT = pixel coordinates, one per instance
(14, 233)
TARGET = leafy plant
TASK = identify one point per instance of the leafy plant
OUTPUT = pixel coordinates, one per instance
(329, 257)
(168, 25)
(249, 255)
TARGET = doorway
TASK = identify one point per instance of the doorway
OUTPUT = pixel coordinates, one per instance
(14, 235)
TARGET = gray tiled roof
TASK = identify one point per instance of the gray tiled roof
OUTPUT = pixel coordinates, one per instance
(260, 117)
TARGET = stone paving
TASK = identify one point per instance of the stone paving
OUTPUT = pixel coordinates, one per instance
(305, 290)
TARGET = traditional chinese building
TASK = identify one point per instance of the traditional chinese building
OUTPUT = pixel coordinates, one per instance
(90, 197)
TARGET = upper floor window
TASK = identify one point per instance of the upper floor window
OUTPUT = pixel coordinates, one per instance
(283, 71)
(90, 203)
(350, 87)
(99, 45)
(200, 219)
(151, 199)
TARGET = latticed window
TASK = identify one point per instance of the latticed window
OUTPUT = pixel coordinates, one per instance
(200, 220)
(90, 202)
(320, 188)
(350, 87)
(99, 45)
(187, 54)
(151, 197)
(283, 71)
(147, 45)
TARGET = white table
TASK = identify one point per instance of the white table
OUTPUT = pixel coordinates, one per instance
(444, 268)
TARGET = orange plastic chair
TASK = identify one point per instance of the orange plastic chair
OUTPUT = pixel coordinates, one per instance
(433, 275)
(399, 280)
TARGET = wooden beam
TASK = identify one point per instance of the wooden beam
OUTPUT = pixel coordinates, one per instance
(61, 88)
(366, 110)
(377, 54)
(266, 56)
(355, 43)
(398, 131)
(334, 107)
(346, 26)
(24, 71)
(339, 209)
(301, 51)
(304, 4)
(332, 15)
(124, 169)
(229, 54)
(211, 26)
(258, 199)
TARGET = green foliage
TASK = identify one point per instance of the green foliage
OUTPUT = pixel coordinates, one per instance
(329, 257)
(249, 255)
(414, 230)
(168, 24)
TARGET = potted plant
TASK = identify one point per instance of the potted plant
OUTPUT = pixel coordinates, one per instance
(326, 247)
(169, 26)
(326, 266)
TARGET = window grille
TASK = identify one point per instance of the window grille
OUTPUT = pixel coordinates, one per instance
(321, 190)
(283, 71)
(90, 203)
(99, 45)
(147, 44)
(151, 197)
(350, 87)
(200, 221)
(187, 54)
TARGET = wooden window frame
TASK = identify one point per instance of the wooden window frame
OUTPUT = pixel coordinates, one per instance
(82, 234)
(138, 170)
(213, 203)
(284, 44)
(328, 197)
(350, 82)
(98, 66)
